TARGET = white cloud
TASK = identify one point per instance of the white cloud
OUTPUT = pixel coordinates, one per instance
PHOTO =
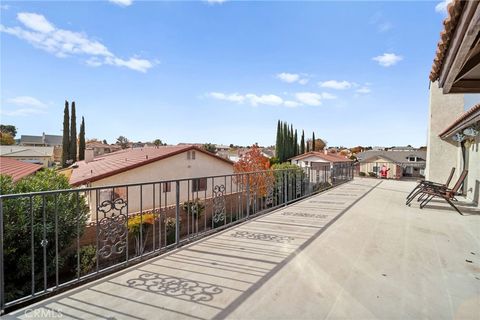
(28, 106)
(122, 3)
(363, 90)
(23, 112)
(388, 59)
(328, 96)
(292, 78)
(292, 104)
(216, 1)
(62, 43)
(266, 99)
(441, 7)
(309, 98)
(234, 97)
(334, 84)
(26, 101)
(252, 99)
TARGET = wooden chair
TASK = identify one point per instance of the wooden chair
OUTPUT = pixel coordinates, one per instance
(426, 183)
(444, 193)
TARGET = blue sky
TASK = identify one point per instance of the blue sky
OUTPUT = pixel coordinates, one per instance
(224, 72)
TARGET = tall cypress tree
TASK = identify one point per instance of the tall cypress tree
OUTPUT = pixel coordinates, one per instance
(73, 134)
(295, 146)
(302, 143)
(81, 142)
(285, 142)
(278, 142)
(313, 141)
(66, 136)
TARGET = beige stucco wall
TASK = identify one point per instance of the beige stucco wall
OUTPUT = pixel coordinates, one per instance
(393, 173)
(442, 155)
(175, 167)
(301, 162)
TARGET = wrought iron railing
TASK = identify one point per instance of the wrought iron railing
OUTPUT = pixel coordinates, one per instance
(54, 240)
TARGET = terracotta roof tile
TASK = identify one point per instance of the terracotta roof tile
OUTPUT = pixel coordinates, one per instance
(454, 10)
(17, 169)
(463, 117)
(120, 161)
(330, 157)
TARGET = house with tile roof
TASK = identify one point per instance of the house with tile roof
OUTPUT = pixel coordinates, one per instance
(100, 148)
(44, 156)
(45, 140)
(402, 163)
(17, 169)
(454, 118)
(146, 165)
(314, 158)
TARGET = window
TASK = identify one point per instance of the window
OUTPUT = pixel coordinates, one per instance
(412, 159)
(191, 155)
(166, 187)
(199, 184)
(376, 169)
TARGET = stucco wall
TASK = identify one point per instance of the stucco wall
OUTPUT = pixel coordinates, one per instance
(175, 167)
(442, 155)
(395, 171)
(301, 162)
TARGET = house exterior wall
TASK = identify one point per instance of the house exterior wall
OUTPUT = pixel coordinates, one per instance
(302, 162)
(175, 167)
(442, 155)
(395, 171)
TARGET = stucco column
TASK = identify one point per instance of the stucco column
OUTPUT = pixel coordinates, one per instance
(442, 155)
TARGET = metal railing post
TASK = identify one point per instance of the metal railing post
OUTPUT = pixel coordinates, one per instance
(2, 287)
(177, 212)
(285, 190)
(248, 195)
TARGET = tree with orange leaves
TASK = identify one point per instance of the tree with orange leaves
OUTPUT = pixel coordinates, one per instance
(261, 178)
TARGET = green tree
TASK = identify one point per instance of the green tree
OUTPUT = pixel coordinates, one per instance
(104, 141)
(210, 147)
(158, 142)
(66, 136)
(6, 139)
(313, 141)
(73, 134)
(123, 142)
(7, 128)
(81, 141)
(295, 145)
(302, 143)
(21, 214)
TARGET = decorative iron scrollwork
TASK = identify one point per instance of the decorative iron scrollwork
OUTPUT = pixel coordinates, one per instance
(262, 236)
(175, 287)
(219, 203)
(112, 235)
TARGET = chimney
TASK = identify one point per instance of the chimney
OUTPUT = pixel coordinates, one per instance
(325, 151)
(88, 155)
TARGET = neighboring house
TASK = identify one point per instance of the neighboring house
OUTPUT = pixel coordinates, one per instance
(221, 147)
(45, 140)
(313, 159)
(101, 148)
(455, 79)
(402, 163)
(44, 156)
(17, 169)
(140, 165)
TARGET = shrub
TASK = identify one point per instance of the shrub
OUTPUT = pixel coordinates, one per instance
(18, 223)
(194, 207)
(362, 174)
(372, 174)
(170, 225)
(140, 222)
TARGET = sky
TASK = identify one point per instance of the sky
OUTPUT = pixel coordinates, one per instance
(355, 73)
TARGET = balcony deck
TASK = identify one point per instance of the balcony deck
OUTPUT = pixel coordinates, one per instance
(355, 251)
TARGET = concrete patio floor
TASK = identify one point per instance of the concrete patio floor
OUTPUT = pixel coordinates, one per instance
(355, 251)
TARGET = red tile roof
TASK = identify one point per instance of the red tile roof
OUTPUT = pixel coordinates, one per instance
(113, 163)
(330, 157)
(454, 10)
(17, 169)
(466, 116)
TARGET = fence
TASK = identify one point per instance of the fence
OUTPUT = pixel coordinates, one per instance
(53, 240)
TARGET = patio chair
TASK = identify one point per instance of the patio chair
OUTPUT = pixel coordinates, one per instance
(425, 183)
(444, 193)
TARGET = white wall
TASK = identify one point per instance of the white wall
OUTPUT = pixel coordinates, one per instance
(472, 188)
(175, 167)
(442, 155)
